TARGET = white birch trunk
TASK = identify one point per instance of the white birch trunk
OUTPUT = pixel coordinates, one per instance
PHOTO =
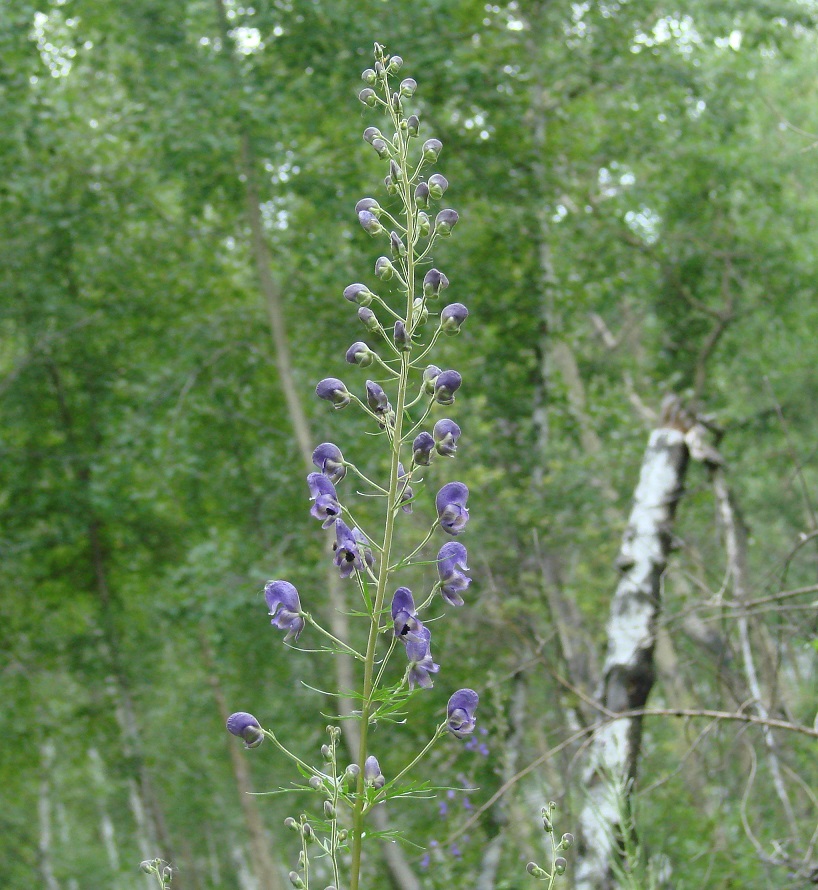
(628, 672)
(44, 813)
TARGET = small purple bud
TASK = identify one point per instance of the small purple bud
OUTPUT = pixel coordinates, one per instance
(437, 185)
(246, 727)
(423, 223)
(368, 97)
(395, 171)
(422, 449)
(369, 319)
(285, 607)
(451, 566)
(369, 223)
(402, 340)
(430, 376)
(452, 316)
(412, 124)
(408, 87)
(333, 390)
(384, 268)
(369, 204)
(371, 134)
(434, 282)
(391, 188)
(406, 491)
(560, 864)
(369, 76)
(358, 293)
(446, 433)
(360, 354)
(451, 507)
(445, 221)
(431, 148)
(381, 148)
(329, 460)
(397, 104)
(372, 772)
(395, 64)
(422, 194)
(446, 385)
(379, 68)
(398, 248)
(460, 712)
(376, 398)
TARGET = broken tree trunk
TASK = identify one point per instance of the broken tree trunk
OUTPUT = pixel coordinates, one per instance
(628, 672)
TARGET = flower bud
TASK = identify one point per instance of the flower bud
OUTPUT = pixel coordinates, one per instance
(360, 354)
(391, 188)
(452, 317)
(368, 76)
(446, 385)
(147, 866)
(295, 880)
(395, 171)
(372, 772)
(412, 124)
(567, 840)
(433, 283)
(419, 311)
(369, 319)
(167, 874)
(358, 293)
(430, 375)
(246, 727)
(351, 773)
(290, 824)
(445, 221)
(307, 831)
(560, 864)
(333, 390)
(535, 871)
(368, 97)
(396, 245)
(422, 195)
(402, 339)
(379, 69)
(369, 204)
(326, 752)
(371, 134)
(329, 809)
(315, 783)
(384, 268)
(395, 64)
(437, 185)
(397, 104)
(343, 834)
(546, 821)
(446, 433)
(376, 398)
(381, 148)
(431, 148)
(408, 87)
(369, 223)
(423, 224)
(422, 449)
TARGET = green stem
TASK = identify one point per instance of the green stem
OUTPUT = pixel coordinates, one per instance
(348, 649)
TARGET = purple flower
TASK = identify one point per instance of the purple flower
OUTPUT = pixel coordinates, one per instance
(446, 433)
(422, 449)
(369, 204)
(445, 221)
(412, 124)
(377, 400)
(384, 268)
(404, 617)
(430, 375)
(326, 506)
(406, 492)
(437, 185)
(371, 133)
(462, 705)
(369, 319)
(434, 282)
(451, 564)
(285, 608)
(396, 245)
(431, 149)
(333, 390)
(246, 727)
(360, 354)
(358, 293)
(350, 549)
(422, 195)
(329, 460)
(452, 316)
(372, 772)
(402, 339)
(446, 385)
(451, 507)
(369, 222)
(420, 660)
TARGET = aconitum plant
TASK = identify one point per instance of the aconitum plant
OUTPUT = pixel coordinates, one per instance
(404, 316)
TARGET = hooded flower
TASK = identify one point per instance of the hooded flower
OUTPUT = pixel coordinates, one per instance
(445, 221)
(405, 618)
(285, 608)
(452, 316)
(350, 549)
(446, 433)
(246, 727)
(451, 507)
(358, 293)
(422, 449)
(333, 390)
(430, 375)
(376, 398)
(326, 506)
(451, 565)
(372, 772)
(329, 460)
(434, 281)
(446, 385)
(460, 711)
(420, 659)
(406, 493)
(360, 354)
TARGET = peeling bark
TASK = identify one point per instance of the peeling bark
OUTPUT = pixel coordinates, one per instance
(628, 672)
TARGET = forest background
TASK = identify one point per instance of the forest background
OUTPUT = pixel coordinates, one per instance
(637, 190)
